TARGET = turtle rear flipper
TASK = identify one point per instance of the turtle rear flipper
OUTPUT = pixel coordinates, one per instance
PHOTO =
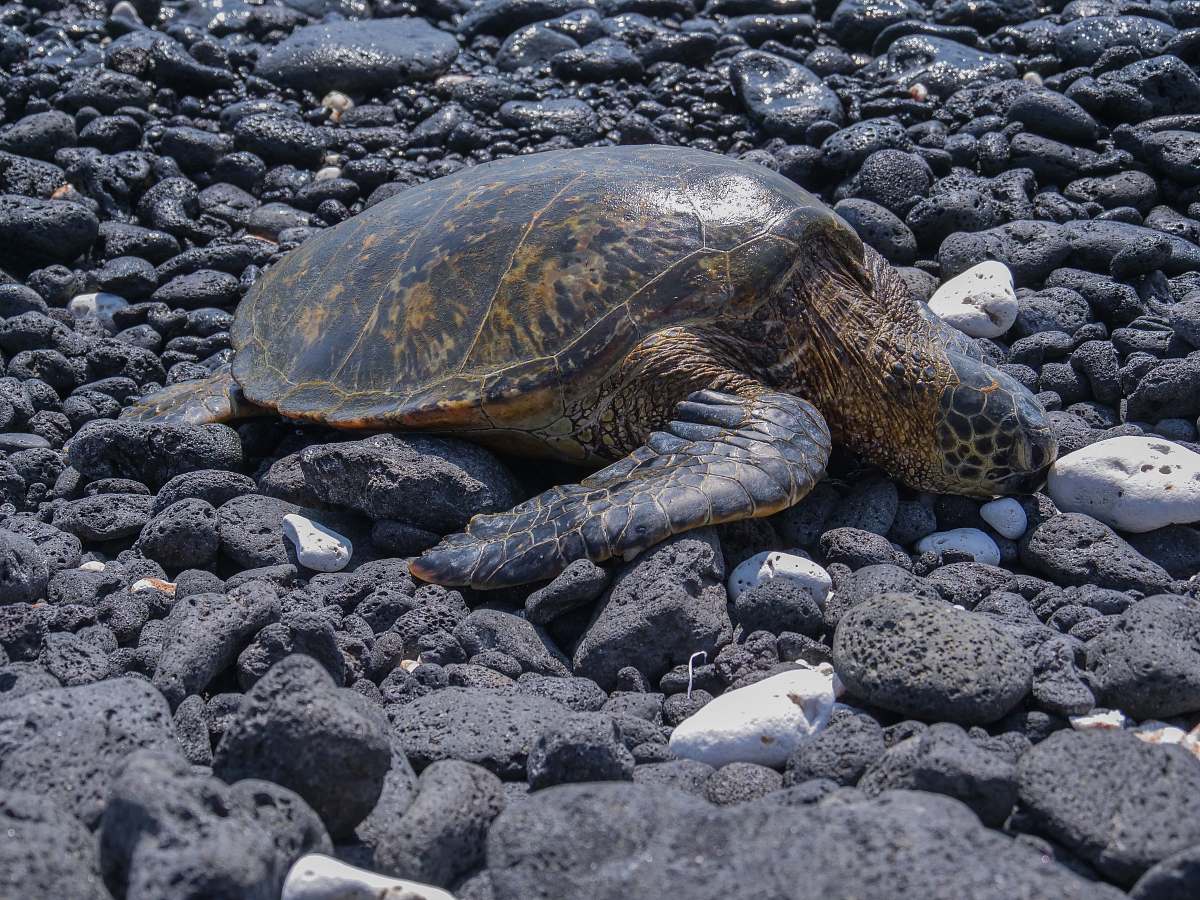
(724, 458)
(217, 398)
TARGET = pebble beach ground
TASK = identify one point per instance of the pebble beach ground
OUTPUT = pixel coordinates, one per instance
(218, 680)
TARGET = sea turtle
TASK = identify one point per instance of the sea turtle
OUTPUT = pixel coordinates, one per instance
(703, 321)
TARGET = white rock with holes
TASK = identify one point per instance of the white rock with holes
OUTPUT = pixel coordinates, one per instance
(762, 723)
(320, 877)
(317, 547)
(102, 305)
(979, 302)
(792, 567)
(1131, 483)
(965, 540)
(1006, 516)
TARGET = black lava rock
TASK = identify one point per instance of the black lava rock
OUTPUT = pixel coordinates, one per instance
(661, 608)
(924, 658)
(433, 483)
(88, 731)
(443, 832)
(491, 729)
(297, 729)
(554, 844)
(784, 96)
(1076, 549)
(944, 760)
(740, 783)
(104, 517)
(1093, 793)
(579, 584)
(492, 630)
(570, 118)
(34, 231)
(1148, 663)
(152, 454)
(841, 752)
(251, 530)
(182, 536)
(168, 829)
(204, 634)
(857, 549)
(778, 605)
(581, 747)
(359, 57)
(73, 660)
(32, 825)
(23, 569)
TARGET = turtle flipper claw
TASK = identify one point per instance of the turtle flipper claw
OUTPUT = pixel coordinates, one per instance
(217, 398)
(725, 458)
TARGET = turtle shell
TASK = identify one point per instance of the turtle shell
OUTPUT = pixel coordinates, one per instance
(491, 297)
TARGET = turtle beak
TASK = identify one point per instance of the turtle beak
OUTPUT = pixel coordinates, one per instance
(1034, 449)
(989, 418)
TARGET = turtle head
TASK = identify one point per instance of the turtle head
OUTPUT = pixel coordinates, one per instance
(906, 391)
(991, 435)
(950, 424)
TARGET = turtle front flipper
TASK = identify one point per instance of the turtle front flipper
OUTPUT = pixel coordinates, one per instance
(217, 398)
(724, 458)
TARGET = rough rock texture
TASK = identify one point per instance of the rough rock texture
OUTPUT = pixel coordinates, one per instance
(1148, 663)
(492, 729)
(440, 837)
(1120, 803)
(88, 732)
(659, 842)
(46, 851)
(433, 483)
(328, 744)
(661, 608)
(168, 831)
(927, 659)
(1076, 549)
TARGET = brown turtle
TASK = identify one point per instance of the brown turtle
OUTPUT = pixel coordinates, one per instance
(704, 322)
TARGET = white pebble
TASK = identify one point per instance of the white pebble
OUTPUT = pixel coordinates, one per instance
(320, 877)
(328, 173)
(1101, 720)
(92, 565)
(762, 567)
(317, 547)
(979, 302)
(123, 9)
(965, 540)
(762, 723)
(153, 584)
(1006, 516)
(1153, 732)
(1131, 483)
(337, 103)
(102, 305)
(1191, 742)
